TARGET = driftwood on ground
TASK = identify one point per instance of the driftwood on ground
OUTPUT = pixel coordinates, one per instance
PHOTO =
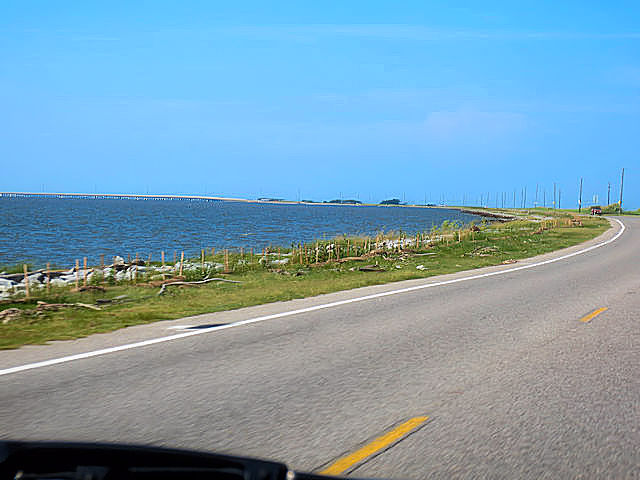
(86, 288)
(56, 306)
(371, 268)
(167, 284)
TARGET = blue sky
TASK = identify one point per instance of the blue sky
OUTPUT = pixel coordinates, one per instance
(370, 100)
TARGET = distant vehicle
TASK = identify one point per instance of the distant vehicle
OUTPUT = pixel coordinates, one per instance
(596, 210)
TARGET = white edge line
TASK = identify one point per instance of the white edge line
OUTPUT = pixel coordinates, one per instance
(105, 351)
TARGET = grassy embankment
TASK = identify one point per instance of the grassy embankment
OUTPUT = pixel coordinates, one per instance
(445, 250)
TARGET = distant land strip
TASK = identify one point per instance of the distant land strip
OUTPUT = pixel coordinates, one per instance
(135, 196)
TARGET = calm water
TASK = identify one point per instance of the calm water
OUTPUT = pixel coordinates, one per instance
(40, 230)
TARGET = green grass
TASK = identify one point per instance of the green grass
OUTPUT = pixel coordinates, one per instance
(492, 245)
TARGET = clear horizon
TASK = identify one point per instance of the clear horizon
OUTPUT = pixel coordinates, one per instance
(362, 100)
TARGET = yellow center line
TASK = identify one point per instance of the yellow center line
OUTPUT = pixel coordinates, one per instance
(346, 462)
(592, 315)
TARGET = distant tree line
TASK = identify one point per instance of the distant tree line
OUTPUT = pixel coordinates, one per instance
(348, 201)
(351, 201)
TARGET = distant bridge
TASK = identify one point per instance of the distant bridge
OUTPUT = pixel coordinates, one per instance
(125, 196)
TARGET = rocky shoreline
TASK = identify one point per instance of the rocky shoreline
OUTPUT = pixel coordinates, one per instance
(500, 217)
(16, 283)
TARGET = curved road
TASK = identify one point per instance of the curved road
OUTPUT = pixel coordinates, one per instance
(515, 385)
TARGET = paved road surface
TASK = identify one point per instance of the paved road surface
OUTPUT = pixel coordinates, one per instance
(515, 385)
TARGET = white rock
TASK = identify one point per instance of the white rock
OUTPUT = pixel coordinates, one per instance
(35, 278)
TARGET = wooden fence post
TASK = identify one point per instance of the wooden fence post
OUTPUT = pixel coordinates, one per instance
(26, 280)
(162, 259)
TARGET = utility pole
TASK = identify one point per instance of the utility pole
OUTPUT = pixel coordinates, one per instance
(608, 193)
(554, 194)
(559, 197)
(580, 197)
(514, 199)
(621, 186)
(524, 199)
(536, 202)
(544, 198)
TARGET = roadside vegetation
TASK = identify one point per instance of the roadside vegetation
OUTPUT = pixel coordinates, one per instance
(612, 209)
(60, 313)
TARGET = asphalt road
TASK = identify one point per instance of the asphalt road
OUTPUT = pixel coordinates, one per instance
(514, 384)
